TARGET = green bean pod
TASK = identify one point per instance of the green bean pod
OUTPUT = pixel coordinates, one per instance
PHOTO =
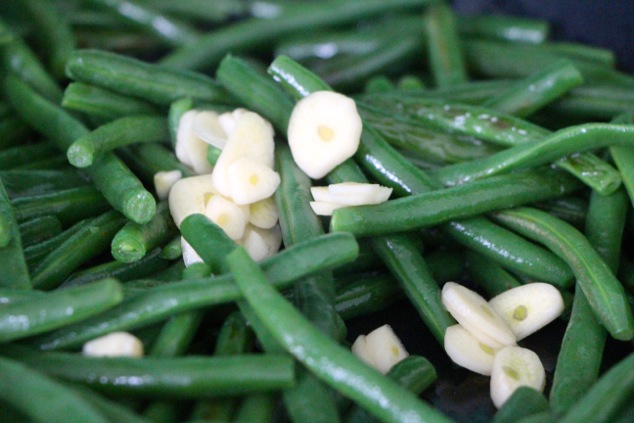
(209, 49)
(39, 229)
(69, 205)
(27, 183)
(147, 159)
(415, 373)
(603, 291)
(103, 104)
(116, 182)
(25, 154)
(259, 407)
(524, 402)
(562, 143)
(506, 28)
(488, 275)
(183, 377)
(88, 242)
(250, 86)
(57, 309)
(152, 305)
(20, 383)
(462, 201)
(54, 34)
(144, 18)
(134, 240)
(13, 269)
(367, 295)
(13, 131)
(144, 267)
(209, 240)
(151, 82)
(611, 392)
(530, 94)
(321, 355)
(445, 52)
(118, 133)
(16, 57)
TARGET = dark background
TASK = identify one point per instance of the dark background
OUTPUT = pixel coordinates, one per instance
(602, 23)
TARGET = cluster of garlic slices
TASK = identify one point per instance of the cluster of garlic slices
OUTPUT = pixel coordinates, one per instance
(485, 338)
(236, 192)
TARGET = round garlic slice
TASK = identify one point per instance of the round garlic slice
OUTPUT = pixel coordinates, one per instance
(263, 213)
(528, 308)
(476, 315)
(227, 215)
(261, 243)
(251, 181)
(385, 348)
(323, 131)
(189, 195)
(514, 367)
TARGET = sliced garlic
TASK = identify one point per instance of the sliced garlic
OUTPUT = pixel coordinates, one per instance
(357, 194)
(360, 349)
(227, 215)
(115, 344)
(514, 367)
(190, 149)
(252, 138)
(261, 243)
(321, 208)
(528, 308)
(467, 351)
(207, 127)
(323, 131)
(475, 314)
(251, 181)
(190, 256)
(264, 213)
(164, 181)
(189, 195)
(385, 348)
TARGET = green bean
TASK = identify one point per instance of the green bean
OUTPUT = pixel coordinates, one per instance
(583, 52)
(504, 60)
(13, 131)
(603, 291)
(257, 407)
(16, 57)
(219, 11)
(153, 377)
(612, 391)
(172, 249)
(115, 181)
(488, 275)
(144, 267)
(54, 35)
(532, 93)
(524, 402)
(13, 270)
(234, 338)
(34, 253)
(103, 104)
(321, 355)
(507, 28)
(12, 295)
(16, 156)
(209, 241)
(462, 201)
(250, 33)
(144, 18)
(134, 240)
(444, 49)
(39, 229)
(20, 384)
(57, 309)
(571, 209)
(113, 410)
(27, 183)
(415, 280)
(151, 82)
(118, 133)
(248, 84)
(152, 305)
(367, 295)
(69, 205)
(623, 156)
(348, 73)
(415, 373)
(560, 144)
(88, 242)
(414, 137)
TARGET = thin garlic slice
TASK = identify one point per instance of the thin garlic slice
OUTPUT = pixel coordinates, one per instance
(514, 367)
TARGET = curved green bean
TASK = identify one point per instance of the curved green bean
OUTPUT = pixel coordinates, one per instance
(13, 269)
(603, 291)
(443, 44)
(322, 356)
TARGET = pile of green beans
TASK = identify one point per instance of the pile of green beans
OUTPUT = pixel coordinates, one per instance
(510, 156)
